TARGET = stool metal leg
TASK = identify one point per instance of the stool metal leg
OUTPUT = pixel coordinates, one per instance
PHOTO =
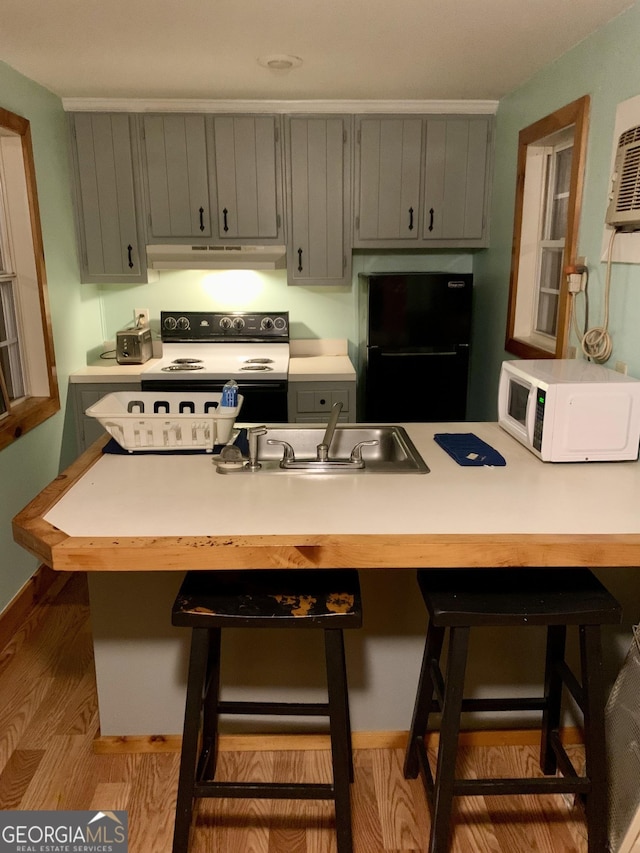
(556, 642)
(424, 697)
(594, 738)
(210, 707)
(191, 731)
(340, 736)
(343, 666)
(448, 746)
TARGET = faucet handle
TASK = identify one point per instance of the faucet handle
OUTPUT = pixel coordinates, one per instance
(356, 453)
(288, 455)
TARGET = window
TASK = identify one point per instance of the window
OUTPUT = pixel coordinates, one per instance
(28, 386)
(551, 156)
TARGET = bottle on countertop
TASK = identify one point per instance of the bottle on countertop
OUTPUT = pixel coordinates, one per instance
(229, 394)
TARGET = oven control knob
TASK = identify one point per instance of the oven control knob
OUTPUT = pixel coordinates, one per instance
(266, 324)
(280, 323)
(225, 323)
(170, 323)
(183, 324)
(238, 324)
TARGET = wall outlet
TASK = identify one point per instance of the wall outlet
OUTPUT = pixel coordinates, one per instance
(142, 314)
(572, 352)
(621, 367)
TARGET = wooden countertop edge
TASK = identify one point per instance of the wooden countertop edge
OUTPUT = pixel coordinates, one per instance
(329, 551)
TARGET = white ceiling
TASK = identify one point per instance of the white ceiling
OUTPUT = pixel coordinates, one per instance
(351, 49)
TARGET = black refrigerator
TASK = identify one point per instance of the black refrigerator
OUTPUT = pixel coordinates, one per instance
(414, 332)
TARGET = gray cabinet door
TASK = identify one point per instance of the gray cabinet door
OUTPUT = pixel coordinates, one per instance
(455, 178)
(111, 246)
(177, 184)
(318, 165)
(248, 178)
(388, 179)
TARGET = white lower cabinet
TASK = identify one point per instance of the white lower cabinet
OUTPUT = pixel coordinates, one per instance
(311, 402)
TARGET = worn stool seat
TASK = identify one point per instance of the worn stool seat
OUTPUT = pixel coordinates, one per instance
(460, 599)
(207, 602)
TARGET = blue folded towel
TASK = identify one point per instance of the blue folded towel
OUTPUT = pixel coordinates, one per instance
(467, 449)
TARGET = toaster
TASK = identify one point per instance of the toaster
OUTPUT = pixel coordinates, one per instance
(134, 346)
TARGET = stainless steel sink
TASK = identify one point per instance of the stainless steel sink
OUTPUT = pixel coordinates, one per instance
(392, 453)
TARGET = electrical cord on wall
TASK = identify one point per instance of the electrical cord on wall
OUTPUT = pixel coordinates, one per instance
(573, 292)
(596, 343)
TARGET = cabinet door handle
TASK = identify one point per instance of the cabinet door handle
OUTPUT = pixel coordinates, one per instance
(224, 215)
(410, 219)
(299, 260)
(431, 219)
(201, 212)
(129, 257)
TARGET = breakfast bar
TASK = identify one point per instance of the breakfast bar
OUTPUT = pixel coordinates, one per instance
(136, 522)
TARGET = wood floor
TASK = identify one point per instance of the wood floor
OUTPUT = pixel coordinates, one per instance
(48, 719)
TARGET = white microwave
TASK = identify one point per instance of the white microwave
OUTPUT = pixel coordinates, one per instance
(570, 410)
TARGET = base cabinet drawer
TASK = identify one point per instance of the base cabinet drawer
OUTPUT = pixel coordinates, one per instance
(313, 401)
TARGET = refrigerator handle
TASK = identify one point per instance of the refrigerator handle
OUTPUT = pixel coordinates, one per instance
(418, 354)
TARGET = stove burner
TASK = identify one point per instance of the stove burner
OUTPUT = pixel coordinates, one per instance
(187, 361)
(253, 366)
(258, 361)
(183, 365)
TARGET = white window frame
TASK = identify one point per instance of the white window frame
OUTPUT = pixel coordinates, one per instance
(536, 223)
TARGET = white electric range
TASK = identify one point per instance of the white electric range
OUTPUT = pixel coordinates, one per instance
(201, 350)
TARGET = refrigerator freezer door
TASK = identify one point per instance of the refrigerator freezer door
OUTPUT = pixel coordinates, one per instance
(414, 387)
(419, 310)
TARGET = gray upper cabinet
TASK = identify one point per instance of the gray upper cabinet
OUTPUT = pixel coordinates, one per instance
(248, 178)
(456, 167)
(109, 231)
(422, 182)
(318, 181)
(176, 180)
(388, 179)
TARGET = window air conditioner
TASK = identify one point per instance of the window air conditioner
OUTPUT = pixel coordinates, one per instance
(623, 212)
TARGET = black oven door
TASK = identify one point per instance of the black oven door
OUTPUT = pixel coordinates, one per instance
(264, 401)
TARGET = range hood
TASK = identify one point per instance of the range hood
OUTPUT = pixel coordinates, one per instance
(172, 257)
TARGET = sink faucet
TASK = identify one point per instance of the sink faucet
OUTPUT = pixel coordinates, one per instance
(325, 444)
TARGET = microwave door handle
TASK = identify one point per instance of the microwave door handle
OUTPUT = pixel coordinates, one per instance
(531, 415)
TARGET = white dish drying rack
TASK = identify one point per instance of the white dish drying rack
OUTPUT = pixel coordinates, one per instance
(171, 420)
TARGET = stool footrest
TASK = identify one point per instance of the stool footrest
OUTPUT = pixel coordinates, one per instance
(542, 785)
(569, 783)
(292, 709)
(506, 704)
(265, 790)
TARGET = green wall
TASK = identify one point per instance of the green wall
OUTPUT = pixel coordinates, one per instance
(27, 465)
(603, 66)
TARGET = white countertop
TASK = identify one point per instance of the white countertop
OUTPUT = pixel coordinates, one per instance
(158, 495)
(108, 370)
(321, 368)
(324, 360)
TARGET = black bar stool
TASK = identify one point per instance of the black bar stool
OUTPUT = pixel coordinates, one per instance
(458, 600)
(209, 601)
